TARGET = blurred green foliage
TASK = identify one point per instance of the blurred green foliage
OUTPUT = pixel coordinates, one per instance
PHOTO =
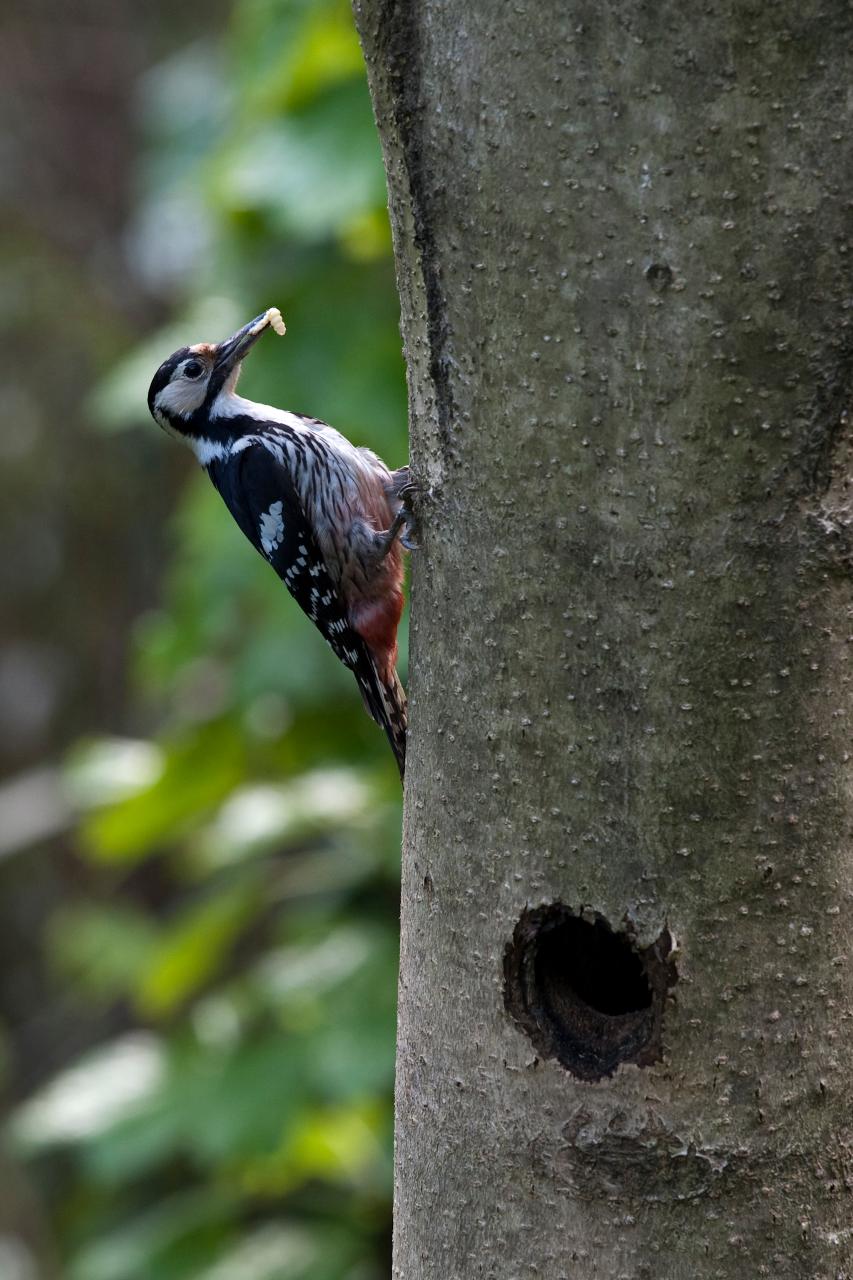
(239, 919)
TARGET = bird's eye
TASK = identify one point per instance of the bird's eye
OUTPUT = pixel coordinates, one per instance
(193, 369)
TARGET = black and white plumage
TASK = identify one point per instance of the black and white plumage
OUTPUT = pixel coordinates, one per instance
(328, 516)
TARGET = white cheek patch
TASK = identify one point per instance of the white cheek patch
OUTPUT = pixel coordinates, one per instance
(271, 528)
(182, 397)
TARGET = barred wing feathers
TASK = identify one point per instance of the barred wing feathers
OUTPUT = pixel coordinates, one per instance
(259, 492)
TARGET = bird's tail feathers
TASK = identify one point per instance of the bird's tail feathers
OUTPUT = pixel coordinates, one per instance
(385, 700)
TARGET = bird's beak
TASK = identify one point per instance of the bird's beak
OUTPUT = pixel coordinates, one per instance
(230, 352)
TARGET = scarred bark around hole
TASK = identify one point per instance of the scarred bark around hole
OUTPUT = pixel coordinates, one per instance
(622, 234)
(584, 993)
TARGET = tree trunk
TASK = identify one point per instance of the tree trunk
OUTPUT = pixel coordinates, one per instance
(622, 234)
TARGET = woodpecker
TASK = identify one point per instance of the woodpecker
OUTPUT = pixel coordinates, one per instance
(329, 517)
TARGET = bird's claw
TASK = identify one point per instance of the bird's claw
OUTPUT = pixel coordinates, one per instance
(407, 494)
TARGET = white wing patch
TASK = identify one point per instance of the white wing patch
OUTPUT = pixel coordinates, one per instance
(271, 528)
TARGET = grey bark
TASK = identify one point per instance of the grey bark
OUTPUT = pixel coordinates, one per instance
(623, 234)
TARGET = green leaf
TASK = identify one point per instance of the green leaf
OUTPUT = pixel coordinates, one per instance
(336, 1144)
(198, 772)
(106, 770)
(289, 52)
(193, 949)
(183, 1231)
(104, 948)
(308, 175)
(327, 53)
(94, 1094)
(282, 1251)
(258, 818)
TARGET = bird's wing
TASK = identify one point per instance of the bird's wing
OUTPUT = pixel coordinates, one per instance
(259, 492)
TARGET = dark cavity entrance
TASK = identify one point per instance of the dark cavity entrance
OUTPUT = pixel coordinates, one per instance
(584, 992)
(589, 962)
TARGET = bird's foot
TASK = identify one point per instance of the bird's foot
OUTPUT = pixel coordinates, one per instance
(408, 495)
(405, 525)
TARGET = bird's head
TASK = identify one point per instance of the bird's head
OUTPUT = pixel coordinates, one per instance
(185, 389)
